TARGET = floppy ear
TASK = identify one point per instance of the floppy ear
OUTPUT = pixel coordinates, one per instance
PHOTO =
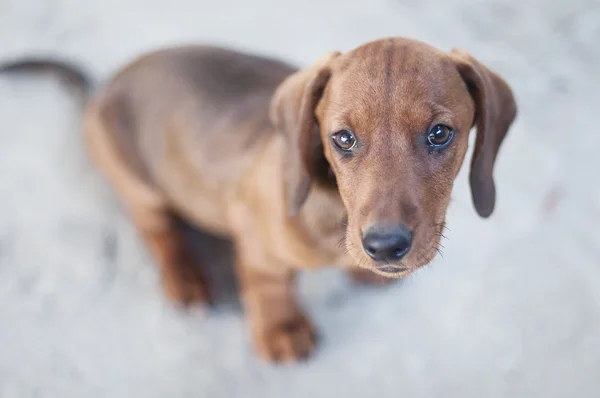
(292, 112)
(495, 111)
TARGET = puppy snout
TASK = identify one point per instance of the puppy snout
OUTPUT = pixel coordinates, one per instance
(387, 244)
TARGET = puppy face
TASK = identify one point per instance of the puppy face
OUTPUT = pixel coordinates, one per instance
(394, 124)
(392, 119)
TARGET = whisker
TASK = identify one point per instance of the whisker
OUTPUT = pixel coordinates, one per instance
(443, 225)
(349, 249)
(440, 251)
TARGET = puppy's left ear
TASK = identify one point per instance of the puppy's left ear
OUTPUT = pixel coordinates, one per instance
(495, 111)
(292, 112)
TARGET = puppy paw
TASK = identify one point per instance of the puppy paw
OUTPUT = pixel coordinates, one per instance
(365, 277)
(185, 286)
(286, 342)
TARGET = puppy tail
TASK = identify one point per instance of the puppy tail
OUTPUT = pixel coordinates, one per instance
(74, 77)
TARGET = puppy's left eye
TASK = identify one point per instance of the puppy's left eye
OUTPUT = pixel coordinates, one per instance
(440, 136)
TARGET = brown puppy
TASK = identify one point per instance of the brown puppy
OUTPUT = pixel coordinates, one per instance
(350, 161)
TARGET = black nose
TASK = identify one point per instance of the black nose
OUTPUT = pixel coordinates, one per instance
(387, 243)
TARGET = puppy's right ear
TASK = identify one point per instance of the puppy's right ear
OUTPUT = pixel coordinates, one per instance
(292, 112)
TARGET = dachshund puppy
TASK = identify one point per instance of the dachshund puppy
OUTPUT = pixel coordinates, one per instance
(350, 161)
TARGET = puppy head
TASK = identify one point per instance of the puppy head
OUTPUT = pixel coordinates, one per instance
(388, 125)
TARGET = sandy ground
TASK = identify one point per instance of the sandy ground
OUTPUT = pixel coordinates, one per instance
(512, 310)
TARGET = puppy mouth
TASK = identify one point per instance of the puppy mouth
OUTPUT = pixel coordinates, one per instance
(392, 269)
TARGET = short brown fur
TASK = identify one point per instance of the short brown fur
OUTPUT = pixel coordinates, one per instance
(241, 146)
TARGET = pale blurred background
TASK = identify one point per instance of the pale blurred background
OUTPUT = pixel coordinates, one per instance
(512, 310)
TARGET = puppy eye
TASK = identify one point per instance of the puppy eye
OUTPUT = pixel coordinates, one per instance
(344, 139)
(440, 136)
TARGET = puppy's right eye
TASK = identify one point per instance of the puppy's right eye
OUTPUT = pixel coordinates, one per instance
(344, 139)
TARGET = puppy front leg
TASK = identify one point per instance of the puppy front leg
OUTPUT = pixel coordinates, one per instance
(280, 331)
